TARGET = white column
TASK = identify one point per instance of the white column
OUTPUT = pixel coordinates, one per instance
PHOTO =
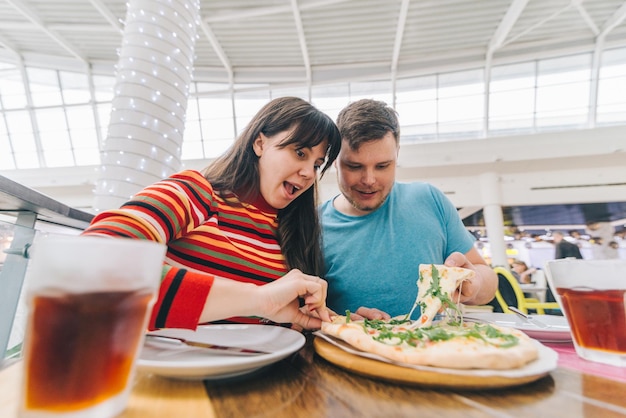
(494, 221)
(145, 135)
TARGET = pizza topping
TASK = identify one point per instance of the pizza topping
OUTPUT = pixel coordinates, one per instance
(348, 319)
(393, 333)
(435, 291)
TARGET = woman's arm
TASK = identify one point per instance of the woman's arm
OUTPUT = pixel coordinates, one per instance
(277, 301)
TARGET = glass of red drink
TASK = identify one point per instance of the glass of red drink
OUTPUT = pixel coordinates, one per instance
(592, 294)
(88, 302)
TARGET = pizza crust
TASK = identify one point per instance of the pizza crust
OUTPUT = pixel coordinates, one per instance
(457, 353)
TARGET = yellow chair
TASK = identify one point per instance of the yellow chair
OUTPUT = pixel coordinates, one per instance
(510, 293)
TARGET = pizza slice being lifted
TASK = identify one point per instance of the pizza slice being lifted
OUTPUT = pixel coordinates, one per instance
(436, 285)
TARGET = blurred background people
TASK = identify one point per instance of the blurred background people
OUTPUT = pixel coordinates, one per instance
(564, 248)
(522, 272)
(601, 233)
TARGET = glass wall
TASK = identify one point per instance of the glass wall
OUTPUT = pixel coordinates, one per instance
(611, 105)
(55, 118)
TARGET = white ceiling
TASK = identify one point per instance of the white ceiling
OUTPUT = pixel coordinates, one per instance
(310, 42)
(320, 41)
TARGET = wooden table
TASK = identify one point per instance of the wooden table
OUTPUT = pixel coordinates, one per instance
(305, 385)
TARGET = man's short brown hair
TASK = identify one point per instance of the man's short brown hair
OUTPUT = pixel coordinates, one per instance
(367, 120)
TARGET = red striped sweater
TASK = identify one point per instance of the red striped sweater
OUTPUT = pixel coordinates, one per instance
(206, 236)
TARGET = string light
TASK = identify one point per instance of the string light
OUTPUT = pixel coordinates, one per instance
(154, 71)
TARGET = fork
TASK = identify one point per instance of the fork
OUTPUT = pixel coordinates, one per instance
(529, 318)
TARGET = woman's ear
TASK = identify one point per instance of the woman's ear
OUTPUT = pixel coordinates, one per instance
(259, 144)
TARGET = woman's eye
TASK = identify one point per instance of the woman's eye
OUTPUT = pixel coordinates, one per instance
(300, 153)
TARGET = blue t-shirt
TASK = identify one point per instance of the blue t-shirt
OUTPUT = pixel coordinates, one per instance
(373, 260)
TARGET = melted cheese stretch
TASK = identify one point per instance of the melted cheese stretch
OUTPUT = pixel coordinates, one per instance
(430, 296)
(436, 284)
(395, 333)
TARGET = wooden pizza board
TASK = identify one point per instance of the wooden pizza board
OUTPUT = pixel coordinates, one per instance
(390, 372)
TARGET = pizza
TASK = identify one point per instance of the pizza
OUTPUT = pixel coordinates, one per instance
(435, 286)
(450, 342)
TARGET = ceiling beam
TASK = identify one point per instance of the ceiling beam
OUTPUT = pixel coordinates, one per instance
(588, 20)
(250, 12)
(215, 43)
(36, 20)
(302, 40)
(397, 44)
(538, 24)
(497, 40)
(92, 28)
(615, 20)
(108, 15)
(506, 24)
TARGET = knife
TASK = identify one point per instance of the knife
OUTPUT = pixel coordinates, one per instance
(222, 349)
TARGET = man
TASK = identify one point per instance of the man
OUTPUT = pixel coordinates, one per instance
(563, 248)
(378, 231)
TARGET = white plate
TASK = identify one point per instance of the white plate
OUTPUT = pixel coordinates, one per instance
(557, 331)
(196, 363)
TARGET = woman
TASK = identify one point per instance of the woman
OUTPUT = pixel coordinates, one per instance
(522, 273)
(247, 221)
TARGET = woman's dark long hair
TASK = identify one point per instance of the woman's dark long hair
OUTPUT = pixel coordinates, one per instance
(299, 232)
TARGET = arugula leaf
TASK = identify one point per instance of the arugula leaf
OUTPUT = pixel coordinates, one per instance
(421, 336)
(436, 291)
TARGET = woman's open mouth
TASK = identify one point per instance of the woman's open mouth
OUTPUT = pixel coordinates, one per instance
(291, 189)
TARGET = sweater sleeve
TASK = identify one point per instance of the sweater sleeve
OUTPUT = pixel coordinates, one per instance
(163, 212)
(181, 298)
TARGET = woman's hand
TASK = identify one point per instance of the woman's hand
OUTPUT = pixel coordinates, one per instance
(279, 300)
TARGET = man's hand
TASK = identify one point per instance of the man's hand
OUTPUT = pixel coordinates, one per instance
(370, 313)
(482, 287)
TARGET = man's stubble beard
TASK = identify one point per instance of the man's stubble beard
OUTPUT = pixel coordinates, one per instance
(354, 203)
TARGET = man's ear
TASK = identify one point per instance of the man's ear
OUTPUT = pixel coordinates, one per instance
(259, 144)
